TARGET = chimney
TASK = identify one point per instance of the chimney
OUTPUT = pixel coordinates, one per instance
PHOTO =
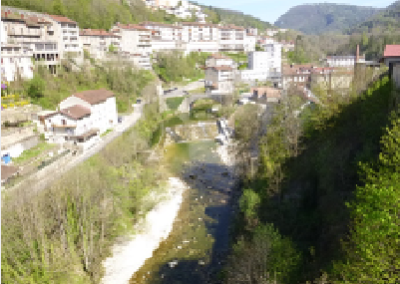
(357, 53)
(22, 16)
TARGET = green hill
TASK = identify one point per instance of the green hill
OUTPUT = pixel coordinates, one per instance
(95, 14)
(320, 18)
(233, 17)
(387, 20)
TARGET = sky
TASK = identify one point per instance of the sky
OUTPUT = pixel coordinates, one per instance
(270, 10)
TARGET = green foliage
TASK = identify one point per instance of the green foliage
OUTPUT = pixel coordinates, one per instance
(266, 258)
(319, 18)
(372, 253)
(120, 77)
(174, 67)
(249, 202)
(234, 17)
(174, 103)
(304, 190)
(35, 88)
(64, 232)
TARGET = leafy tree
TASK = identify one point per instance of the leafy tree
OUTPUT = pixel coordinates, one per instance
(36, 87)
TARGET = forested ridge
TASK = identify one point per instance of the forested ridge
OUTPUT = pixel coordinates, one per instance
(324, 17)
(324, 204)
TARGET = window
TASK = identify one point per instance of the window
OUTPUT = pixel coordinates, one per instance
(63, 122)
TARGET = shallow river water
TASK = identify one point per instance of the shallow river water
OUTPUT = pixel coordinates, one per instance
(197, 247)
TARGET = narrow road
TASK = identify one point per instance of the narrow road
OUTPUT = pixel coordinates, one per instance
(37, 185)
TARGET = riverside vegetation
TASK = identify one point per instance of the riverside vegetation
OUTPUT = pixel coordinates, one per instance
(323, 206)
(62, 234)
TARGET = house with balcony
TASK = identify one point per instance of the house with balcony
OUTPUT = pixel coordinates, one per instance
(66, 33)
(164, 36)
(232, 38)
(16, 62)
(99, 42)
(201, 37)
(220, 74)
(82, 117)
(33, 33)
(134, 39)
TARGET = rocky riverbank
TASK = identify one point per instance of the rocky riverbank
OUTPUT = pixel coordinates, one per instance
(130, 255)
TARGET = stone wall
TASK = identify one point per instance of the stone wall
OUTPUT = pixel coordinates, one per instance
(396, 75)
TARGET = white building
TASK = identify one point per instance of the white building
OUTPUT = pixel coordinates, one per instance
(34, 33)
(271, 32)
(82, 116)
(250, 42)
(232, 38)
(200, 37)
(99, 42)
(15, 62)
(3, 34)
(66, 32)
(269, 60)
(163, 36)
(134, 39)
(342, 61)
(220, 74)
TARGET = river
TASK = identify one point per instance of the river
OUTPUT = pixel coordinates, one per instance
(197, 247)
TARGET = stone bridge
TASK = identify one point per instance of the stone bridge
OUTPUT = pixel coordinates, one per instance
(188, 102)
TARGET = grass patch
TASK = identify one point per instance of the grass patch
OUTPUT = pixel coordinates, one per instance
(105, 133)
(174, 103)
(33, 152)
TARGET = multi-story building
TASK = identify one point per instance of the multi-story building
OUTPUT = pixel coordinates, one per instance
(34, 33)
(82, 116)
(343, 61)
(66, 32)
(220, 74)
(232, 38)
(99, 42)
(250, 42)
(200, 37)
(135, 39)
(16, 62)
(164, 36)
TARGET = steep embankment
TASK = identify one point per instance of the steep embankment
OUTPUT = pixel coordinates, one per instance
(295, 211)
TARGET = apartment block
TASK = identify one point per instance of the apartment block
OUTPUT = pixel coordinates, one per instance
(16, 62)
(33, 33)
(232, 38)
(99, 42)
(134, 39)
(66, 32)
(164, 36)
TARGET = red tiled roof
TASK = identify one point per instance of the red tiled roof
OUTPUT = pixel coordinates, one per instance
(392, 50)
(222, 68)
(76, 111)
(94, 96)
(91, 32)
(61, 19)
(132, 27)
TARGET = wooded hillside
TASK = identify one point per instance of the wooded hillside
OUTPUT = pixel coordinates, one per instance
(319, 18)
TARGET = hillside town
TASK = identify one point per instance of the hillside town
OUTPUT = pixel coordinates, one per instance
(30, 39)
(171, 142)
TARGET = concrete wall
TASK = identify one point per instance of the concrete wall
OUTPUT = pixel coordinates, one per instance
(16, 149)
